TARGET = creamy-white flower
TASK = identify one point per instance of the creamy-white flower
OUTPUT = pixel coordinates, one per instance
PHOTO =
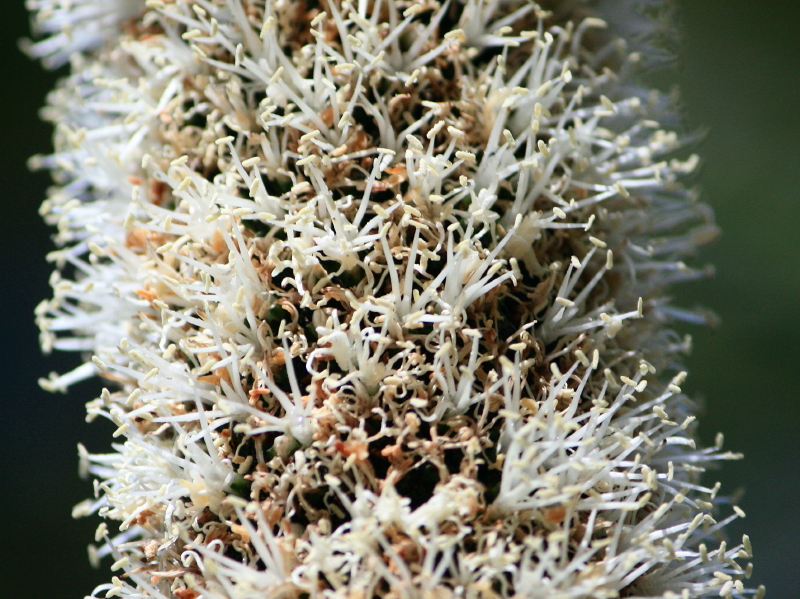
(378, 289)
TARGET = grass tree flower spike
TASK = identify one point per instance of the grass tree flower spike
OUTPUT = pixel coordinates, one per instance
(378, 292)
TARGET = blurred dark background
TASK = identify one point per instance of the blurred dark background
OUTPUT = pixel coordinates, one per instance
(740, 77)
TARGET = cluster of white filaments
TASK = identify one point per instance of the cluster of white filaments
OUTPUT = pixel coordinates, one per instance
(378, 290)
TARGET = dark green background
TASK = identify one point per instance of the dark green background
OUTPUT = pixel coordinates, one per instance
(739, 77)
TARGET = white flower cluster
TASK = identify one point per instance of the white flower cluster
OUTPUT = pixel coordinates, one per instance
(378, 289)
